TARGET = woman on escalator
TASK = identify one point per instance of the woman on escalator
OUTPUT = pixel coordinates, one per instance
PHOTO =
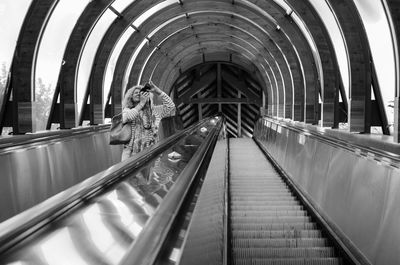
(144, 117)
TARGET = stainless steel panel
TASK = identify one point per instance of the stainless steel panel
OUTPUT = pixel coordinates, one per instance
(85, 155)
(386, 245)
(337, 187)
(8, 202)
(281, 143)
(101, 145)
(33, 174)
(206, 230)
(365, 202)
(30, 169)
(63, 172)
(306, 159)
(292, 152)
(318, 172)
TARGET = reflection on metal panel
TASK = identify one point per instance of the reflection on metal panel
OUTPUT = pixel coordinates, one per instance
(206, 231)
(357, 192)
(101, 229)
(7, 199)
(32, 174)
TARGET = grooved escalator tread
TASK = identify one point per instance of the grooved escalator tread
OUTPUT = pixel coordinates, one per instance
(278, 242)
(266, 203)
(255, 213)
(277, 234)
(317, 252)
(289, 261)
(270, 219)
(267, 207)
(272, 226)
(268, 224)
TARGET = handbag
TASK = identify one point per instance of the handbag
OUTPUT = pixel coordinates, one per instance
(120, 133)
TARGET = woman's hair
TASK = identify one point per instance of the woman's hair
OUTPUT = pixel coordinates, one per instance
(128, 102)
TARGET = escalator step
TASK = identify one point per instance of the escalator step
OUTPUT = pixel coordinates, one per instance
(259, 177)
(260, 193)
(273, 226)
(254, 213)
(260, 190)
(266, 220)
(293, 261)
(279, 243)
(277, 234)
(266, 207)
(266, 198)
(252, 203)
(262, 187)
(323, 252)
(263, 196)
(251, 182)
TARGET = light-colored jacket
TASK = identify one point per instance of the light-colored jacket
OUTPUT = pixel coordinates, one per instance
(142, 137)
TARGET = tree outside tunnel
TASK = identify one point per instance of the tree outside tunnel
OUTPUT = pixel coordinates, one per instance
(43, 99)
(3, 83)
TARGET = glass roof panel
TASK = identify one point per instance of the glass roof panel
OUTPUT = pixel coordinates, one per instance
(12, 14)
(143, 17)
(120, 5)
(130, 64)
(113, 60)
(89, 52)
(380, 41)
(50, 55)
(336, 36)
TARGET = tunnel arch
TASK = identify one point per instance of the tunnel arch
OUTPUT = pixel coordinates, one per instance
(200, 29)
(299, 23)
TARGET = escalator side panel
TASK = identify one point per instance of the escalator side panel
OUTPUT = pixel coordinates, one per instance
(38, 172)
(352, 190)
(205, 240)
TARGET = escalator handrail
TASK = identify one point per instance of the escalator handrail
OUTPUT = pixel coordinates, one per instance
(28, 222)
(27, 140)
(145, 249)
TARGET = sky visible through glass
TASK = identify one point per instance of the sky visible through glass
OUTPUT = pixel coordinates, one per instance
(379, 37)
(89, 53)
(12, 14)
(113, 60)
(52, 48)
